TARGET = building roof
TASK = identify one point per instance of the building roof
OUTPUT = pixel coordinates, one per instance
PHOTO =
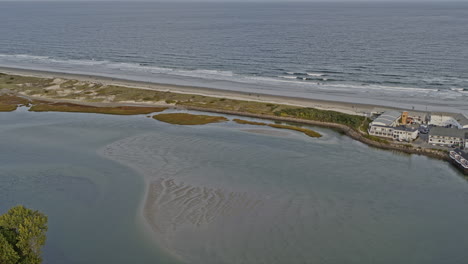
(405, 128)
(462, 119)
(387, 118)
(447, 132)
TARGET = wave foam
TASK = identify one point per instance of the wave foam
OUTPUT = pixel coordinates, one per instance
(301, 81)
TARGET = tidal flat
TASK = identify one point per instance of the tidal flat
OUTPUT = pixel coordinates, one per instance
(127, 189)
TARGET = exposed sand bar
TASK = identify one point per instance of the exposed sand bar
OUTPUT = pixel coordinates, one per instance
(345, 107)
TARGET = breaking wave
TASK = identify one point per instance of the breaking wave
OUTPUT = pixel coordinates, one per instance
(325, 80)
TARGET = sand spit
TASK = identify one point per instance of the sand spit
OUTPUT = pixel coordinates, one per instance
(344, 107)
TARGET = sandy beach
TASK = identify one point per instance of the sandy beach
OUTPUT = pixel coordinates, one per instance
(344, 107)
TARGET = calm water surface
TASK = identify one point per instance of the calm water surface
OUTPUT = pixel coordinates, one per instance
(412, 54)
(327, 200)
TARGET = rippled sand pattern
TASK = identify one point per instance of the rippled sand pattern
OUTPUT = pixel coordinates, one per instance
(171, 205)
(220, 196)
(208, 221)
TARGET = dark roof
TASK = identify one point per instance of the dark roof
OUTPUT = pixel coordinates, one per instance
(461, 119)
(447, 132)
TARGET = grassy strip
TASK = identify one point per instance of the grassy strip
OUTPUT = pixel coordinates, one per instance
(246, 122)
(189, 119)
(352, 121)
(306, 131)
(118, 110)
(377, 139)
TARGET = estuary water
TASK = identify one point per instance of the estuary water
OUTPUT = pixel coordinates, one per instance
(226, 193)
(411, 54)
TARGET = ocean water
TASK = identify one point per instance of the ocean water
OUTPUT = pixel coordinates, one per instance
(411, 54)
(226, 193)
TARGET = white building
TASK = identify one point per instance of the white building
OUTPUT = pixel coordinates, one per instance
(402, 133)
(447, 136)
(383, 126)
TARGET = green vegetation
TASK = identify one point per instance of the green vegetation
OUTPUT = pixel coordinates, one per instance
(377, 139)
(118, 110)
(22, 235)
(7, 108)
(246, 122)
(352, 121)
(9, 102)
(189, 119)
(306, 131)
(231, 105)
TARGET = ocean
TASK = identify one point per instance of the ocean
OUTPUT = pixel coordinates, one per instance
(393, 54)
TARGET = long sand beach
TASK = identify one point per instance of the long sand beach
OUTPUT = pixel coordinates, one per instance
(345, 107)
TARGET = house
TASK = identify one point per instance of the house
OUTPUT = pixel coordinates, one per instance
(447, 136)
(383, 125)
(404, 133)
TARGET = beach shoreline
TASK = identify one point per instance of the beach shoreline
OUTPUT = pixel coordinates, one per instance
(339, 106)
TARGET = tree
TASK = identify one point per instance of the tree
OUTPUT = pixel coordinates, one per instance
(8, 254)
(22, 235)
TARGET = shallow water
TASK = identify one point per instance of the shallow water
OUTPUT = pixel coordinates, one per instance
(224, 194)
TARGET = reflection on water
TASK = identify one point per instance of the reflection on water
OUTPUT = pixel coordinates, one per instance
(222, 193)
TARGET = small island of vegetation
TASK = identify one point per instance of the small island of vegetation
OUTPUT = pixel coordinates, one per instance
(22, 235)
(306, 131)
(189, 119)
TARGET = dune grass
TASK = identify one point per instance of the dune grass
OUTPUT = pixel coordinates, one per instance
(353, 121)
(308, 132)
(189, 119)
(118, 110)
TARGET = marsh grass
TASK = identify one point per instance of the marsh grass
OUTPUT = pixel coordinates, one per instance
(308, 132)
(189, 119)
(118, 110)
(245, 122)
(10, 103)
(7, 108)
